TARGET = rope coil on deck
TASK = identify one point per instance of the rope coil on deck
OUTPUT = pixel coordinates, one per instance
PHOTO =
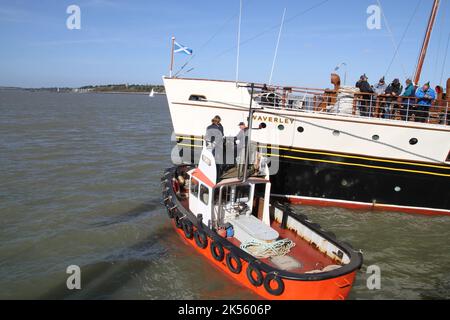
(261, 250)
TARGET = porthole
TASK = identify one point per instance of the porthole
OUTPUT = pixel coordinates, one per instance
(300, 129)
(397, 189)
(262, 125)
(413, 141)
(197, 97)
(280, 127)
(375, 137)
(336, 133)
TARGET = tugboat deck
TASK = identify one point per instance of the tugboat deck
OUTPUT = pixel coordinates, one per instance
(309, 257)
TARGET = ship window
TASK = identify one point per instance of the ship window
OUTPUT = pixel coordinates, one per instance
(300, 129)
(375, 137)
(280, 127)
(413, 141)
(336, 133)
(194, 187)
(204, 194)
(197, 97)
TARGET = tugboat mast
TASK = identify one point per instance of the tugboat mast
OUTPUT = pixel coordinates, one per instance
(426, 41)
(248, 137)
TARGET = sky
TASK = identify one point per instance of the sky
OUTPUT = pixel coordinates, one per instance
(129, 41)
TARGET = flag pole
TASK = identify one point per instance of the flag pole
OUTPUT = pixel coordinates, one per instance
(171, 57)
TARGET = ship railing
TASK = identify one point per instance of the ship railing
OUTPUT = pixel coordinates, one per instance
(350, 102)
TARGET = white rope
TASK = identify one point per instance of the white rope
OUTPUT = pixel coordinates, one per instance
(261, 250)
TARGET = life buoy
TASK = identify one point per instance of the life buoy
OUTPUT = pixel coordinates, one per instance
(237, 268)
(254, 270)
(217, 251)
(280, 284)
(188, 229)
(201, 239)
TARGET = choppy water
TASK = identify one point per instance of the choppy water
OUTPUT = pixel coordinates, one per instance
(79, 184)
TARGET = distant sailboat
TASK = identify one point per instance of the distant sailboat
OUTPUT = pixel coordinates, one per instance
(152, 93)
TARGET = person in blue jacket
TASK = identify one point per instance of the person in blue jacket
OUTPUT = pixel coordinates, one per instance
(425, 96)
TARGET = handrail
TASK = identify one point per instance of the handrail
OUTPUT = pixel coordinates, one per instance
(356, 104)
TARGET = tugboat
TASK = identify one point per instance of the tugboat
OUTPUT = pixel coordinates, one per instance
(263, 245)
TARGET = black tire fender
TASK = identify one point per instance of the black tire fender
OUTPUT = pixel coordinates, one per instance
(219, 254)
(280, 284)
(188, 229)
(201, 239)
(253, 269)
(230, 258)
(178, 222)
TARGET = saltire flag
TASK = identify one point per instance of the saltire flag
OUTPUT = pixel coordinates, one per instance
(182, 49)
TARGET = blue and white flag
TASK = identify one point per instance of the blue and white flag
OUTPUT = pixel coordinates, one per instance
(182, 49)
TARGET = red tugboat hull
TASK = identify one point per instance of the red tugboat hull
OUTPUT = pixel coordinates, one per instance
(330, 289)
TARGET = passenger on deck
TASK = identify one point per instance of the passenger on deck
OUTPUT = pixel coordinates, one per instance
(393, 91)
(380, 87)
(364, 87)
(214, 141)
(426, 95)
(240, 143)
(407, 99)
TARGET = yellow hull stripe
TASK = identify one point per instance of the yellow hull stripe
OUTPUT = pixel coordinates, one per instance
(347, 156)
(340, 163)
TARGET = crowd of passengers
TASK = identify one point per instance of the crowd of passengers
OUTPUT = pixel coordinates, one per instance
(410, 103)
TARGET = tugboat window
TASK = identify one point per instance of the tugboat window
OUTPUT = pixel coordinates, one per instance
(413, 141)
(196, 97)
(204, 194)
(194, 187)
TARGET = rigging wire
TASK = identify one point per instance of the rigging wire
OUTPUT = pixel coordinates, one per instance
(276, 48)
(238, 41)
(274, 27)
(403, 37)
(391, 34)
(440, 40)
(207, 42)
(445, 60)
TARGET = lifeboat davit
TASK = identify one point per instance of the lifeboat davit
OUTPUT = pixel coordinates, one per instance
(266, 247)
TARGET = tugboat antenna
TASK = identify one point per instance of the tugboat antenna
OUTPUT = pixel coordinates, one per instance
(248, 137)
(426, 41)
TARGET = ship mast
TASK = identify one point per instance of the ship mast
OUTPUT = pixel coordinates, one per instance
(426, 41)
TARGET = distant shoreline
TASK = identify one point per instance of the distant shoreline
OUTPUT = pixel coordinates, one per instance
(110, 89)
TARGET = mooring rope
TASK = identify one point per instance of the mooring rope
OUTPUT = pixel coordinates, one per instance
(260, 249)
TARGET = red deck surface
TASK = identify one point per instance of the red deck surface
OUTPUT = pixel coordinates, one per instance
(309, 256)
